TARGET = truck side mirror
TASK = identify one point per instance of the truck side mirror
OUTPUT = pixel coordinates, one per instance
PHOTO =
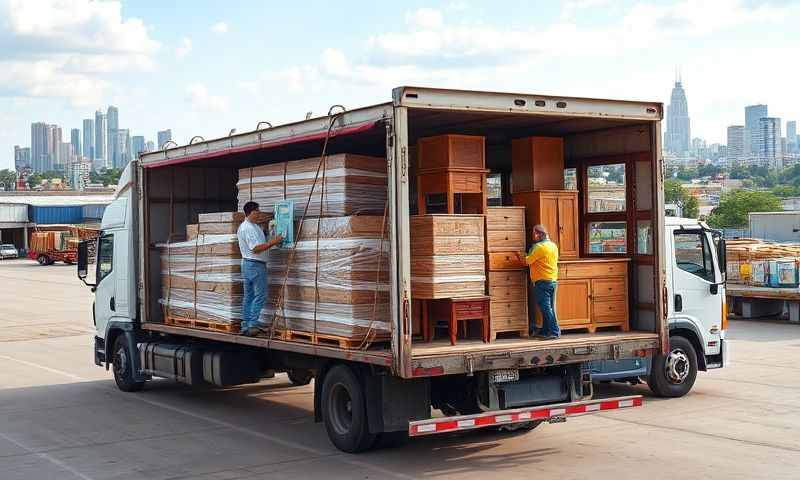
(723, 259)
(83, 261)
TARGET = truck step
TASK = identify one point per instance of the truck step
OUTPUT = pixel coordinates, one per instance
(202, 324)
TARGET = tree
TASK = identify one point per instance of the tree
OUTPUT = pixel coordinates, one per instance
(734, 207)
(8, 178)
(675, 193)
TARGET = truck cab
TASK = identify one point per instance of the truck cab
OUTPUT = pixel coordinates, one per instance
(697, 314)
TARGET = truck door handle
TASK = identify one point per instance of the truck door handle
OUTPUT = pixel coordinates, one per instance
(678, 303)
(112, 305)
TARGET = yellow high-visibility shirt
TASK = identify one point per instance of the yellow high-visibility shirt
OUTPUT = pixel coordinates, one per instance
(543, 261)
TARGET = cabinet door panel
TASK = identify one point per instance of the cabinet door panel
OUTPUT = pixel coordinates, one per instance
(548, 216)
(568, 226)
(573, 302)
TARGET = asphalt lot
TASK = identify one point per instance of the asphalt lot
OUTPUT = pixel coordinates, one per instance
(61, 417)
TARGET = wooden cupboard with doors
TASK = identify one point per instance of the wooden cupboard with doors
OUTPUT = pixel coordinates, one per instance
(537, 164)
(557, 210)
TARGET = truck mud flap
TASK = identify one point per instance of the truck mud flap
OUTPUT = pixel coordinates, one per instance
(550, 413)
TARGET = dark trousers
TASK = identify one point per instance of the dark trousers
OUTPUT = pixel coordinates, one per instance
(544, 293)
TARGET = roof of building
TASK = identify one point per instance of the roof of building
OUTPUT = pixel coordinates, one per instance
(57, 200)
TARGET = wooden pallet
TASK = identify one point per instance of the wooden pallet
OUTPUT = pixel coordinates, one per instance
(594, 327)
(323, 339)
(202, 324)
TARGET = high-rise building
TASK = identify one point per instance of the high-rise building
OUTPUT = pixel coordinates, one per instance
(149, 146)
(137, 146)
(122, 148)
(100, 141)
(163, 137)
(65, 156)
(88, 138)
(56, 137)
(752, 114)
(22, 157)
(78, 173)
(736, 143)
(75, 140)
(40, 155)
(678, 132)
(768, 139)
(791, 137)
(112, 124)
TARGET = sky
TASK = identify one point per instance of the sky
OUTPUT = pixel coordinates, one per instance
(202, 69)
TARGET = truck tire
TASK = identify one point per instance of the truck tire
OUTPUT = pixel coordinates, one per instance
(123, 367)
(300, 377)
(344, 411)
(673, 375)
(43, 259)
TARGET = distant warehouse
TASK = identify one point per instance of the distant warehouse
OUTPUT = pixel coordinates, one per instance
(776, 226)
(21, 212)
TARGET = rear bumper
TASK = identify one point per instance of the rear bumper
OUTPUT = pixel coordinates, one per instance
(550, 413)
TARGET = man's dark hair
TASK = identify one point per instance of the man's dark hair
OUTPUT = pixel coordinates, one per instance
(249, 207)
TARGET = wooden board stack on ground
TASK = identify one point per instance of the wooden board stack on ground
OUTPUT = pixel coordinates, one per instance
(741, 252)
(349, 184)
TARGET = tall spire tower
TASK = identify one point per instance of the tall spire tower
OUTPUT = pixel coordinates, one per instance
(677, 137)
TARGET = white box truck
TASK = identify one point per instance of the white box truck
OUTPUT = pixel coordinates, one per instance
(402, 387)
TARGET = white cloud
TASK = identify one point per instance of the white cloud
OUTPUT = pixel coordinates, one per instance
(457, 5)
(425, 18)
(184, 48)
(220, 27)
(56, 48)
(201, 100)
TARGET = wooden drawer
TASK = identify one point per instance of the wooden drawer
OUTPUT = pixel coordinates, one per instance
(502, 323)
(595, 269)
(470, 308)
(467, 182)
(609, 311)
(507, 279)
(505, 240)
(515, 310)
(508, 293)
(505, 218)
(609, 287)
(506, 261)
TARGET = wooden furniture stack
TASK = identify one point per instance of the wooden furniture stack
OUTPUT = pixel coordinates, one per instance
(592, 293)
(452, 165)
(506, 270)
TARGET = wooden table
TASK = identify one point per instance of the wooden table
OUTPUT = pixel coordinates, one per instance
(456, 310)
(470, 183)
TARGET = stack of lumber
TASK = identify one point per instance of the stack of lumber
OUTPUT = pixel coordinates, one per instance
(221, 223)
(333, 282)
(51, 241)
(447, 256)
(349, 184)
(743, 251)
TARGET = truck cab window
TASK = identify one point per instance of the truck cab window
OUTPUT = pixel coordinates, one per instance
(105, 257)
(693, 255)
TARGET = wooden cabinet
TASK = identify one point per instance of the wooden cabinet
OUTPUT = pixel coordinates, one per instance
(507, 273)
(537, 163)
(592, 294)
(557, 210)
(451, 152)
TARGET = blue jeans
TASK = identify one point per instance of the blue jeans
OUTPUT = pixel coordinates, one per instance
(254, 275)
(544, 292)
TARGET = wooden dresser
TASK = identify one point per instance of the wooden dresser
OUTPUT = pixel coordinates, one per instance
(506, 274)
(592, 293)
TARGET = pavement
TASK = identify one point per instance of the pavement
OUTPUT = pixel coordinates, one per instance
(61, 417)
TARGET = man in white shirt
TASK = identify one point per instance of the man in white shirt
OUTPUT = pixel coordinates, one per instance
(253, 246)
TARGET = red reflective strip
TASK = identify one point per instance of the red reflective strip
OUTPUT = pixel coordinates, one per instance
(442, 426)
(485, 421)
(637, 402)
(428, 372)
(576, 409)
(541, 414)
(609, 405)
(261, 146)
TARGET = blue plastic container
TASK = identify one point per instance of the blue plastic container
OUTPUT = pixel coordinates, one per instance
(783, 273)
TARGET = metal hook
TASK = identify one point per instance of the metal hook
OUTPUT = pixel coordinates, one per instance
(330, 110)
(233, 130)
(195, 138)
(258, 127)
(165, 145)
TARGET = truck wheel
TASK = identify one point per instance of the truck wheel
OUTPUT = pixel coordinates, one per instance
(123, 367)
(673, 375)
(43, 260)
(300, 377)
(344, 411)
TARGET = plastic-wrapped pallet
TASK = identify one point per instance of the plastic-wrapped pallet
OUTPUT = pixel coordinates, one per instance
(335, 281)
(351, 185)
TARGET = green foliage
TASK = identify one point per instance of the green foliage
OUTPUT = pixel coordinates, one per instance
(36, 178)
(734, 207)
(675, 193)
(8, 178)
(786, 191)
(108, 177)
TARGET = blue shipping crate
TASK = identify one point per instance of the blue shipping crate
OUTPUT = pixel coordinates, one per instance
(51, 215)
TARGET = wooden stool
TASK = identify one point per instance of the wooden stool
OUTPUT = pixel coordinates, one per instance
(457, 310)
(469, 182)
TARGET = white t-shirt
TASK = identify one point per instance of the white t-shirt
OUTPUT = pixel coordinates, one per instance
(251, 235)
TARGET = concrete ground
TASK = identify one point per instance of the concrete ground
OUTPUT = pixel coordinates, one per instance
(63, 418)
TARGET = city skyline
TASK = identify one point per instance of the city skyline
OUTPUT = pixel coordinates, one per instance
(155, 69)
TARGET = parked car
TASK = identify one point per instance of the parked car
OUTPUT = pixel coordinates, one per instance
(8, 251)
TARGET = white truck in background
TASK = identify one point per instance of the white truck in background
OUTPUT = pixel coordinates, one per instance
(697, 314)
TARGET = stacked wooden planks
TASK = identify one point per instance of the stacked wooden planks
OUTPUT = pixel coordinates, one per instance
(743, 251)
(349, 185)
(447, 256)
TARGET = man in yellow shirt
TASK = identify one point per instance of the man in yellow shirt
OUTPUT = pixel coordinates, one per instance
(542, 260)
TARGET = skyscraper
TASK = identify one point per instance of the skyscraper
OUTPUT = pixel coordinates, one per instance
(55, 147)
(22, 157)
(100, 141)
(137, 146)
(112, 119)
(88, 138)
(40, 155)
(735, 150)
(678, 133)
(149, 146)
(122, 148)
(163, 137)
(752, 114)
(768, 138)
(791, 136)
(75, 140)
